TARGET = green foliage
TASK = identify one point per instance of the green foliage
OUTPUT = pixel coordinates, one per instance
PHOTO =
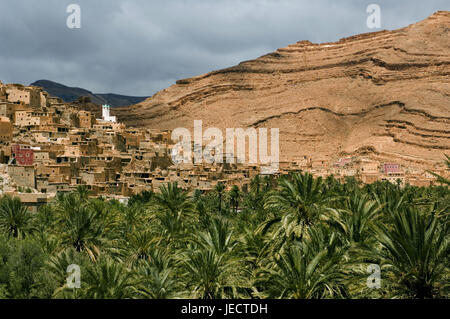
(14, 217)
(442, 179)
(21, 269)
(415, 252)
(295, 236)
(308, 269)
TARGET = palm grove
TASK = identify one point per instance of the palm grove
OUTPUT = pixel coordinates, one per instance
(292, 237)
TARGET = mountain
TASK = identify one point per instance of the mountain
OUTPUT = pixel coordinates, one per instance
(383, 94)
(70, 94)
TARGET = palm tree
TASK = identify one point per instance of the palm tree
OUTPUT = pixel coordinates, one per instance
(81, 226)
(354, 221)
(140, 199)
(217, 237)
(173, 205)
(331, 183)
(209, 275)
(15, 219)
(441, 179)
(299, 200)
(139, 246)
(219, 189)
(156, 277)
(209, 264)
(235, 195)
(268, 182)
(391, 198)
(308, 269)
(156, 284)
(45, 218)
(173, 198)
(255, 185)
(253, 249)
(83, 232)
(82, 192)
(205, 273)
(414, 253)
(132, 217)
(107, 280)
(197, 195)
(57, 266)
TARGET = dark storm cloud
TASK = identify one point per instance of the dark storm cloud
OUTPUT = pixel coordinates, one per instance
(138, 47)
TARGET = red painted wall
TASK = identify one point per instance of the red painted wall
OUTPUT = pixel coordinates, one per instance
(391, 168)
(23, 157)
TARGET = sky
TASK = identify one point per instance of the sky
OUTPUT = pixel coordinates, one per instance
(138, 47)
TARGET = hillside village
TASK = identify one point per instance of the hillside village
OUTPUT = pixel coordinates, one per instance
(49, 146)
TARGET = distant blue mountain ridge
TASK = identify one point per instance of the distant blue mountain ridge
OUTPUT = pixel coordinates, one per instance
(70, 94)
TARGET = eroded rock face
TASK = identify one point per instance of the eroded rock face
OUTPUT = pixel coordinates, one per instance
(386, 94)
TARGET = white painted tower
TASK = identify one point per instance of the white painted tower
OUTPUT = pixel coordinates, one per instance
(105, 114)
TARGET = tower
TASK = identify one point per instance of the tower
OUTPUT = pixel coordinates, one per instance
(105, 114)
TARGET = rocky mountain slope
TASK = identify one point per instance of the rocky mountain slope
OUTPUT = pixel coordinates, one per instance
(70, 94)
(385, 94)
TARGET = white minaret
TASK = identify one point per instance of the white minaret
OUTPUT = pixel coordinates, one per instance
(105, 114)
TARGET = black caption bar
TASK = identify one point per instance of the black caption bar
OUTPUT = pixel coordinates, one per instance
(204, 309)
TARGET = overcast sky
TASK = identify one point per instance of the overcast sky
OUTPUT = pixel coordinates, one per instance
(137, 47)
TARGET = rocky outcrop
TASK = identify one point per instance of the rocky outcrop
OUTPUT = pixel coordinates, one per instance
(387, 93)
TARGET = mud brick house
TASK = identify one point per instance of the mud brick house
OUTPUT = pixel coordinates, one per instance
(23, 176)
(29, 95)
(33, 118)
(26, 118)
(46, 133)
(99, 175)
(391, 168)
(53, 149)
(393, 173)
(301, 162)
(58, 188)
(17, 93)
(52, 146)
(41, 157)
(369, 167)
(369, 178)
(6, 151)
(133, 138)
(81, 149)
(319, 163)
(2, 91)
(8, 110)
(394, 178)
(108, 126)
(31, 201)
(86, 119)
(159, 136)
(23, 154)
(419, 181)
(110, 188)
(56, 173)
(342, 162)
(6, 129)
(43, 185)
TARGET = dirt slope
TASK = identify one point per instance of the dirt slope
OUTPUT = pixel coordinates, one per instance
(385, 93)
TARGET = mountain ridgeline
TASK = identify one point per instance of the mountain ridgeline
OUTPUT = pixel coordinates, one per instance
(71, 94)
(382, 94)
